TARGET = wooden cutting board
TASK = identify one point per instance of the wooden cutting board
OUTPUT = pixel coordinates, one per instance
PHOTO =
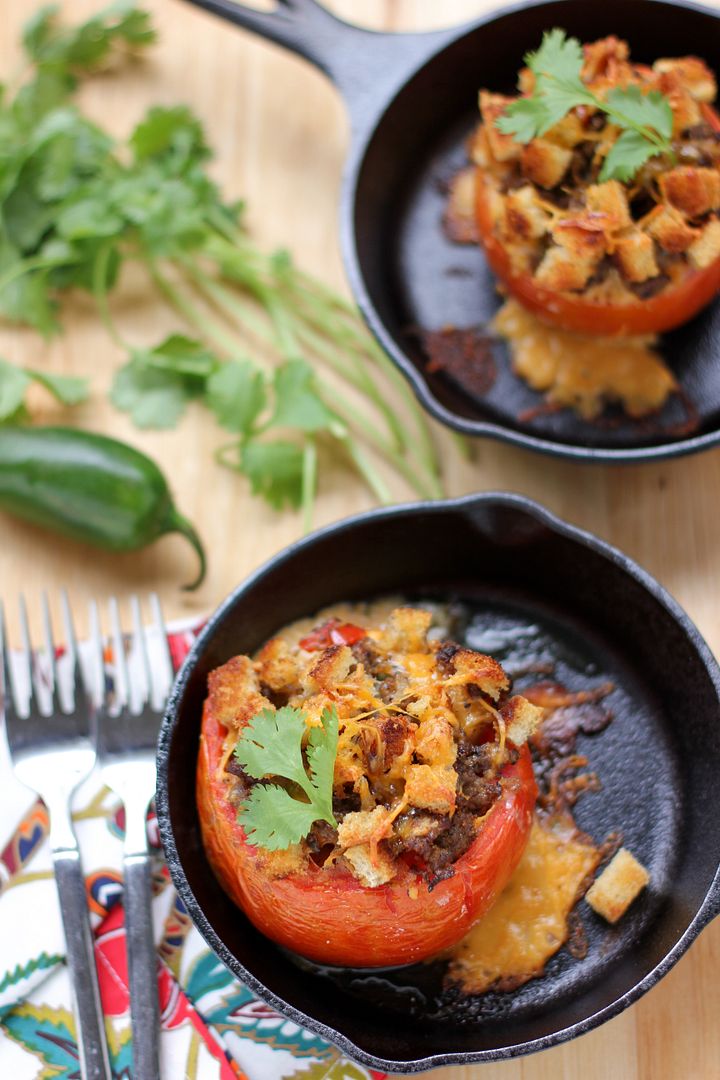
(280, 133)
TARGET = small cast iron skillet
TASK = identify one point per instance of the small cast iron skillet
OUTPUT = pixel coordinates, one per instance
(658, 762)
(412, 100)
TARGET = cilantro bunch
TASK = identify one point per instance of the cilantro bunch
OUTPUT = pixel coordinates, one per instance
(645, 120)
(284, 364)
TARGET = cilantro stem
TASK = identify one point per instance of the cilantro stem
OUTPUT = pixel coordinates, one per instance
(663, 145)
(336, 324)
(354, 419)
(242, 313)
(361, 340)
(202, 323)
(372, 477)
(100, 272)
(309, 482)
(355, 373)
(336, 401)
(39, 262)
(463, 445)
(234, 254)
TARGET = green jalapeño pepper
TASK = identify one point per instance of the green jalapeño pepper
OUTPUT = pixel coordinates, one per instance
(89, 487)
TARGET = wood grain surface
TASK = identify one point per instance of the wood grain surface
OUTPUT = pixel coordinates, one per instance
(280, 133)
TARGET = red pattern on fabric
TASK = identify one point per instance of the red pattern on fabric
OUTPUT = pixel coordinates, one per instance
(175, 1008)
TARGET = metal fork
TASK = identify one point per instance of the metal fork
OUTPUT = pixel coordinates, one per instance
(52, 752)
(127, 737)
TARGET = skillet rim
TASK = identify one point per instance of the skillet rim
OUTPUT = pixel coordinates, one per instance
(570, 451)
(464, 504)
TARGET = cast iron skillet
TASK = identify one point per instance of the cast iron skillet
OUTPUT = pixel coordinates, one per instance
(412, 101)
(659, 760)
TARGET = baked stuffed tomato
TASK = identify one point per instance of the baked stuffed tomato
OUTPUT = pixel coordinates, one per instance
(602, 217)
(364, 793)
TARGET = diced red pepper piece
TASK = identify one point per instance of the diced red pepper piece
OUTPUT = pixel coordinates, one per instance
(332, 632)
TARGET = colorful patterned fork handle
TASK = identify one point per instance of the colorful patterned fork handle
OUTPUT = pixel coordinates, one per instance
(212, 1027)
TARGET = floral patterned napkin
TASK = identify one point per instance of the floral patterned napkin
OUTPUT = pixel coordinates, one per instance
(213, 1028)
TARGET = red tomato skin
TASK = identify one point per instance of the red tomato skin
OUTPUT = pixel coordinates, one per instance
(672, 307)
(327, 915)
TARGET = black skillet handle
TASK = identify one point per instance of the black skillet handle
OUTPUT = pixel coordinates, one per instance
(367, 67)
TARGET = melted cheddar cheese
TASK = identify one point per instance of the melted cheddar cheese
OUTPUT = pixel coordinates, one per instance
(584, 373)
(529, 922)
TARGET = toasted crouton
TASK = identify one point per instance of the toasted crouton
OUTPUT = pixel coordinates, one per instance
(371, 872)
(685, 108)
(332, 668)
(582, 238)
(622, 880)
(406, 630)
(277, 668)
(635, 255)
(234, 694)
(431, 787)
(610, 200)
(435, 742)
(706, 248)
(361, 826)
(604, 57)
(669, 228)
(693, 191)
(561, 269)
(525, 218)
(521, 719)
(459, 219)
(545, 163)
(476, 669)
(568, 132)
(694, 74)
(502, 147)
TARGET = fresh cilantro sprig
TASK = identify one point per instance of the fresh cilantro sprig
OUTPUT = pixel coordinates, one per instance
(156, 386)
(284, 364)
(16, 381)
(280, 745)
(646, 120)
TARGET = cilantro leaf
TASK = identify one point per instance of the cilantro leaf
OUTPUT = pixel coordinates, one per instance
(274, 820)
(14, 383)
(13, 386)
(558, 98)
(180, 355)
(627, 154)
(271, 746)
(523, 119)
(646, 110)
(84, 46)
(321, 752)
(297, 402)
(24, 298)
(154, 399)
(646, 119)
(171, 134)
(558, 88)
(236, 394)
(67, 389)
(157, 384)
(89, 216)
(275, 471)
(559, 57)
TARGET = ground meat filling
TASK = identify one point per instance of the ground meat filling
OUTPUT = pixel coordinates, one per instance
(424, 732)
